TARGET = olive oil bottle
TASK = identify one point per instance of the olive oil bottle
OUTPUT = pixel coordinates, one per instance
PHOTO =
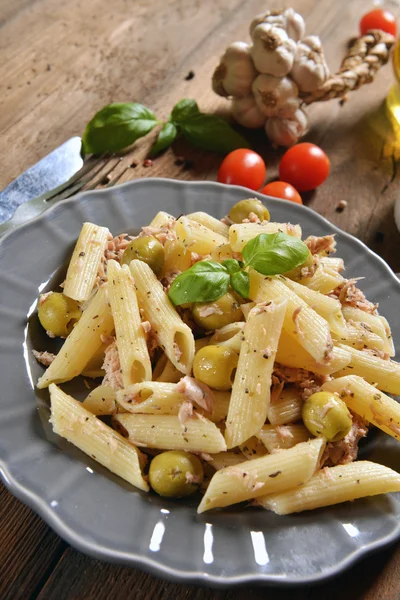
(393, 97)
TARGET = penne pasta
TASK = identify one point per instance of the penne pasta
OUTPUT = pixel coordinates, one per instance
(332, 264)
(151, 397)
(268, 474)
(374, 323)
(359, 337)
(250, 397)
(242, 233)
(226, 459)
(82, 343)
(164, 370)
(167, 432)
(222, 252)
(130, 335)
(323, 281)
(80, 427)
(368, 402)
(174, 336)
(385, 374)
(287, 407)
(301, 322)
(253, 448)
(282, 437)
(176, 257)
(333, 485)
(85, 262)
(162, 219)
(196, 237)
(101, 401)
(210, 222)
(230, 336)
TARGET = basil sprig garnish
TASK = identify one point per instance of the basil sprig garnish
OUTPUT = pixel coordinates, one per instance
(268, 253)
(120, 124)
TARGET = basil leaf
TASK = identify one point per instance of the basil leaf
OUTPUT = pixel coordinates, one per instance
(274, 253)
(117, 126)
(206, 281)
(240, 282)
(209, 132)
(183, 109)
(164, 139)
(231, 265)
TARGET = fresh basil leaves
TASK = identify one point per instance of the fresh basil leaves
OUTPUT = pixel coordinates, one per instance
(268, 253)
(119, 125)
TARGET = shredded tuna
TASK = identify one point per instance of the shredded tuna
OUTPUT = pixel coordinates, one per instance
(185, 412)
(190, 478)
(106, 339)
(45, 358)
(252, 218)
(43, 297)
(351, 295)
(283, 432)
(177, 351)
(309, 271)
(112, 367)
(196, 392)
(146, 326)
(307, 382)
(321, 245)
(206, 311)
(276, 391)
(116, 246)
(168, 278)
(50, 334)
(379, 353)
(345, 451)
(195, 258)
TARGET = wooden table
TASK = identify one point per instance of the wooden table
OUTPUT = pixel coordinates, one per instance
(63, 61)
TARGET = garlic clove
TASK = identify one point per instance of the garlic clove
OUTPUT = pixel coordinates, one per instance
(286, 132)
(310, 70)
(276, 97)
(271, 17)
(295, 25)
(246, 112)
(273, 51)
(236, 72)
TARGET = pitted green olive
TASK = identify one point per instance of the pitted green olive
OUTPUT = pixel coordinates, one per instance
(146, 249)
(175, 474)
(214, 315)
(327, 415)
(215, 366)
(58, 313)
(241, 210)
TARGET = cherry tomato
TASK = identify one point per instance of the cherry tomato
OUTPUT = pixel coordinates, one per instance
(378, 19)
(305, 166)
(243, 167)
(281, 189)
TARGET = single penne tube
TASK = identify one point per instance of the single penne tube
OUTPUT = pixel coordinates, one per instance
(166, 432)
(323, 281)
(85, 262)
(210, 222)
(357, 336)
(253, 448)
(282, 437)
(266, 475)
(246, 308)
(230, 335)
(385, 374)
(221, 406)
(372, 322)
(388, 346)
(301, 322)
(83, 342)
(286, 408)
(196, 237)
(83, 429)
(368, 402)
(94, 368)
(250, 396)
(130, 336)
(101, 401)
(333, 485)
(152, 397)
(226, 459)
(164, 370)
(242, 233)
(176, 257)
(328, 308)
(291, 354)
(332, 264)
(162, 219)
(174, 336)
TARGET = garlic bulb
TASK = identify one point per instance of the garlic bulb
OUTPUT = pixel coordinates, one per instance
(273, 51)
(246, 112)
(291, 21)
(310, 70)
(235, 73)
(286, 132)
(276, 97)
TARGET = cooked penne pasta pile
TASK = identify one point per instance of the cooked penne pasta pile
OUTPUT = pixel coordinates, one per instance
(227, 356)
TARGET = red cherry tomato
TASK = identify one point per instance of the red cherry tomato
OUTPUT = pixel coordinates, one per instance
(243, 167)
(305, 166)
(281, 189)
(378, 19)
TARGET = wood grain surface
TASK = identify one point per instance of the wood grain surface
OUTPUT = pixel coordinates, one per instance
(60, 63)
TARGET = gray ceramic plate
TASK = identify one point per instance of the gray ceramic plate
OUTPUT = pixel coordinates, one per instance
(100, 514)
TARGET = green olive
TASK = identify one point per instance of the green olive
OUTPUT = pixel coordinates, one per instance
(214, 315)
(146, 249)
(215, 366)
(58, 314)
(175, 474)
(241, 210)
(326, 414)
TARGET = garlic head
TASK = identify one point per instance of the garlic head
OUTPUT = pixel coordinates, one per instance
(286, 132)
(273, 51)
(276, 97)
(310, 70)
(236, 72)
(246, 112)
